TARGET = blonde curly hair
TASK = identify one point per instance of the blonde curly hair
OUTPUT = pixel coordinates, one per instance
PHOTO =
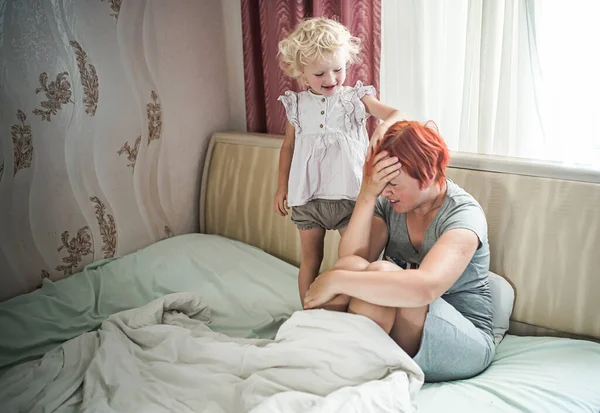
(312, 39)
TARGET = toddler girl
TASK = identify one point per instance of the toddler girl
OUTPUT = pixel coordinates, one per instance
(326, 142)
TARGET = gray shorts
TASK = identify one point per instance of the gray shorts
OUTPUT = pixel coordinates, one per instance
(330, 214)
(452, 348)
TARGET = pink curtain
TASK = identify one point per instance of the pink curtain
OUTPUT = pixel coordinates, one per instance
(265, 22)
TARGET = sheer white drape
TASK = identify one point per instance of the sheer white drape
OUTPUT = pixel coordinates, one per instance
(503, 77)
(568, 34)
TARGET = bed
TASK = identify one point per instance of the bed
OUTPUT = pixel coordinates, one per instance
(242, 266)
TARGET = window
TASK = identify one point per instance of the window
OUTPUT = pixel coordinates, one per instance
(515, 78)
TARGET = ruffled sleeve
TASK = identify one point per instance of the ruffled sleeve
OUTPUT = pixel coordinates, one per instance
(290, 103)
(351, 100)
(360, 90)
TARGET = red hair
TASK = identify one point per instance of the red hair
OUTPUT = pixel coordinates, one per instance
(420, 149)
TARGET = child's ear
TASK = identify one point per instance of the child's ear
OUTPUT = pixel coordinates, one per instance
(302, 82)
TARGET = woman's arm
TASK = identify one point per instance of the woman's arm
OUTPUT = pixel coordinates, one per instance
(441, 267)
(366, 235)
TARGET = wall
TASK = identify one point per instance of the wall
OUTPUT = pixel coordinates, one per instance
(232, 20)
(106, 109)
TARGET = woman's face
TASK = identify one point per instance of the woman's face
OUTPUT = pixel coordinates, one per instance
(404, 193)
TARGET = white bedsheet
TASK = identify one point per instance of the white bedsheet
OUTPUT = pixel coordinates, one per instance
(164, 357)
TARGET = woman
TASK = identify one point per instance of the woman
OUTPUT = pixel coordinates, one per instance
(431, 294)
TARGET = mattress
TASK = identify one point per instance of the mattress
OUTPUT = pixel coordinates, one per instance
(528, 374)
(251, 294)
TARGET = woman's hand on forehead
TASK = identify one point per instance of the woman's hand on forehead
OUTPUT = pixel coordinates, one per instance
(378, 171)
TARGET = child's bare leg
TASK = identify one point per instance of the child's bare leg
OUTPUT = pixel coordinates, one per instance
(312, 256)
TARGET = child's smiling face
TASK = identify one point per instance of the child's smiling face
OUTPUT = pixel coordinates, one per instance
(327, 74)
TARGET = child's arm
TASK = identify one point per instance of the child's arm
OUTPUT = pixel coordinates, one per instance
(386, 113)
(285, 162)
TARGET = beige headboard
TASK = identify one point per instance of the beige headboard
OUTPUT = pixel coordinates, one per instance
(544, 232)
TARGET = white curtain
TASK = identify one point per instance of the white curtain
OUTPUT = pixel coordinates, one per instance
(503, 77)
(106, 108)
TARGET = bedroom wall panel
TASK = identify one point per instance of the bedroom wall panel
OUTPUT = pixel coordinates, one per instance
(107, 108)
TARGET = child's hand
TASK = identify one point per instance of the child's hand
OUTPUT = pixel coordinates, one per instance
(376, 138)
(280, 203)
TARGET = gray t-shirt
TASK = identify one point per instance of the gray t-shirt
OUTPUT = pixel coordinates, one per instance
(470, 294)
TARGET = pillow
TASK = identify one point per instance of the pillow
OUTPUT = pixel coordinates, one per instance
(503, 297)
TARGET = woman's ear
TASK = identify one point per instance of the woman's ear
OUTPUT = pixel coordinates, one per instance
(429, 182)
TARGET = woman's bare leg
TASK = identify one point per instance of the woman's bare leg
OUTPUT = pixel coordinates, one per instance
(384, 316)
(408, 328)
(352, 263)
(404, 325)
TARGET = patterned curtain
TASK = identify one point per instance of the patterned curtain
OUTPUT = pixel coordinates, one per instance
(106, 108)
(265, 22)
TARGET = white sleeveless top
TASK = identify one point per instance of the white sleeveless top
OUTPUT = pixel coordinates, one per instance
(331, 143)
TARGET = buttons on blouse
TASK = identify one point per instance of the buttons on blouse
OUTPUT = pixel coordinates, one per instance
(322, 113)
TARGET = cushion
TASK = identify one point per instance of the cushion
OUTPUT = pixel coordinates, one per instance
(503, 298)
